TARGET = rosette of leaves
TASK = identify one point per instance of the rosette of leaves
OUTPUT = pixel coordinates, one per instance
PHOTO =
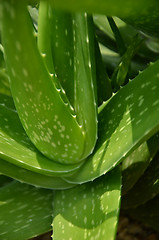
(60, 141)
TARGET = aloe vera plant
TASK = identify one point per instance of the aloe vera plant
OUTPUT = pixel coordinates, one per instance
(72, 123)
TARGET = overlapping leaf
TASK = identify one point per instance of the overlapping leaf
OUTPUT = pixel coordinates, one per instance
(89, 211)
(27, 208)
(42, 105)
(16, 147)
(127, 120)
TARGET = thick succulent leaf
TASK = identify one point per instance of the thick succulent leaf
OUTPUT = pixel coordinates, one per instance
(89, 211)
(147, 213)
(16, 147)
(137, 162)
(43, 39)
(25, 211)
(47, 121)
(32, 178)
(62, 49)
(129, 118)
(84, 69)
(43, 113)
(73, 46)
(146, 188)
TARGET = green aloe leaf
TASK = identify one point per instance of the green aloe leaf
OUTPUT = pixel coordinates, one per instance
(129, 118)
(119, 40)
(146, 188)
(120, 73)
(136, 163)
(89, 211)
(32, 178)
(62, 48)
(44, 110)
(44, 38)
(85, 94)
(72, 41)
(28, 208)
(41, 109)
(17, 148)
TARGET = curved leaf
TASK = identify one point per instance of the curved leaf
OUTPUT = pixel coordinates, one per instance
(89, 211)
(129, 118)
(44, 115)
(16, 147)
(33, 178)
(28, 207)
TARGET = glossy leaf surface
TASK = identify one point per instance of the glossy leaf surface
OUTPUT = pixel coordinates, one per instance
(17, 148)
(46, 115)
(26, 207)
(89, 211)
(129, 118)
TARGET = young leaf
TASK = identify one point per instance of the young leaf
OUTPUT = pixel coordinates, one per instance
(72, 41)
(44, 39)
(120, 73)
(89, 211)
(62, 49)
(119, 40)
(84, 69)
